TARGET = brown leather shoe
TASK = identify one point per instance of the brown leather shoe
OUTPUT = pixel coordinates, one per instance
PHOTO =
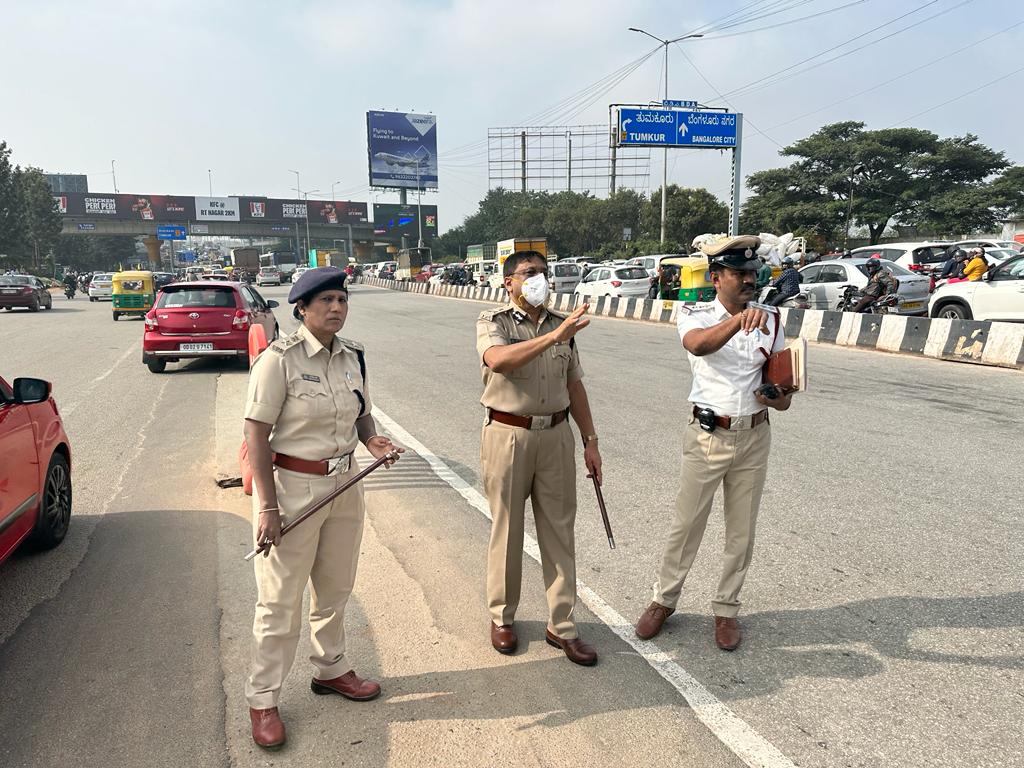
(504, 638)
(727, 633)
(651, 620)
(267, 728)
(575, 650)
(349, 685)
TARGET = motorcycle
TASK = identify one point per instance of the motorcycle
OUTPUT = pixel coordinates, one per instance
(69, 291)
(852, 295)
(797, 301)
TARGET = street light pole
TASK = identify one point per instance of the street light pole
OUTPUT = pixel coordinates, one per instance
(113, 175)
(664, 167)
(419, 205)
(849, 204)
(333, 185)
(209, 176)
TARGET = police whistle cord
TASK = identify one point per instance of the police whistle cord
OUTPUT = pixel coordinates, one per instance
(604, 512)
(389, 456)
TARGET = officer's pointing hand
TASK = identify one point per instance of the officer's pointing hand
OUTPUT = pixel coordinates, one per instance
(753, 319)
(572, 324)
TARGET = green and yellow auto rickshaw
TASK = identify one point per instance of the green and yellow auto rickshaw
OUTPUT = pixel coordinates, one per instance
(694, 278)
(133, 293)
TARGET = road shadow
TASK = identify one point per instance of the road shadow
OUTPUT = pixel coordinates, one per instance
(781, 645)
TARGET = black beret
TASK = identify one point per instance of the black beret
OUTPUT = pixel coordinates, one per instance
(316, 280)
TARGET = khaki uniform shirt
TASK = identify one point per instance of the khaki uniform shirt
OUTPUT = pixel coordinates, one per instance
(539, 388)
(311, 395)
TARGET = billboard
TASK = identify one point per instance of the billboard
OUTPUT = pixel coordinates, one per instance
(402, 150)
(393, 220)
(164, 208)
(132, 207)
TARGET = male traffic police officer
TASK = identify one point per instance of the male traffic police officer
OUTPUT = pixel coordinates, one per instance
(728, 437)
(532, 381)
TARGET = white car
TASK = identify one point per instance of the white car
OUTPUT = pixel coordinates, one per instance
(564, 276)
(987, 244)
(100, 287)
(998, 295)
(652, 262)
(824, 281)
(615, 281)
(299, 272)
(928, 256)
(268, 276)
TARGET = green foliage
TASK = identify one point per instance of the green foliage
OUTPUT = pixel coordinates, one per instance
(95, 252)
(29, 220)
(898, 176)
(578, 224)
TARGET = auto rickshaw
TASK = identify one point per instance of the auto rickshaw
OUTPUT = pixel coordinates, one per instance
(133, 293)
(694, 278)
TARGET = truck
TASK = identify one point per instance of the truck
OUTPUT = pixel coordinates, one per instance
(246, 261)
(410, 262)
(479, 253)
(507, 247)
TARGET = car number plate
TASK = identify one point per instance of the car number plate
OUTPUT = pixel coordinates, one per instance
(195, 347)
(910, 305)
(10, 290)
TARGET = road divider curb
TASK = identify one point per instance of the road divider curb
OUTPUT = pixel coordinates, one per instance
(963, 341)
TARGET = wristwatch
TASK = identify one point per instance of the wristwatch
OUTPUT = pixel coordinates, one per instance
(589, 438)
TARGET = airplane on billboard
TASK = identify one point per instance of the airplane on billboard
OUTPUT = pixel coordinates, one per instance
(421, 159)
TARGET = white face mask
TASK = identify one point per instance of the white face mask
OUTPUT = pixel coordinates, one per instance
(536, 290)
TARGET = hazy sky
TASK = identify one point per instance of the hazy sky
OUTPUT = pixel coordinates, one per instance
(251, 90)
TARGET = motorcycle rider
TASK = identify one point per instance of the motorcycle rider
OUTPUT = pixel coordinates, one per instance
(764, 274)
(70, 284)
(880, 283)
(955, 262)
(787, 283)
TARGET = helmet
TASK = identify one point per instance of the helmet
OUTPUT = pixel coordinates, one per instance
(788, 261)
(873, 265)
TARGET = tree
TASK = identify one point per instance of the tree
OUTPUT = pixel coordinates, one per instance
(8, 205)
(689, 212)
(903, 176)
(38, 219)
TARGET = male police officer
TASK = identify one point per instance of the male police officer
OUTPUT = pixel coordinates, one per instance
(532, 381)
(728, 437)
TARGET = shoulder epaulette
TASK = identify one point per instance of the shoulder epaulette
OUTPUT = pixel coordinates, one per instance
(355, 346)
(490, 314)
(283, 345)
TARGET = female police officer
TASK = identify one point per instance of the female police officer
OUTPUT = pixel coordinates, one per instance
(307, 406)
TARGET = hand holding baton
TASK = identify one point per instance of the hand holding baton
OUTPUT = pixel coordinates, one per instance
(389, 458)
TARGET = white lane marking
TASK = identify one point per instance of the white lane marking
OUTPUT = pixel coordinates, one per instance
(120, 360)
(739, 737)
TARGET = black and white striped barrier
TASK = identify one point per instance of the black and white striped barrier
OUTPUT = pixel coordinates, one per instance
(967, 341)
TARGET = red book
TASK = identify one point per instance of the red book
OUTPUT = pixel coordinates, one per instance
(787, 368)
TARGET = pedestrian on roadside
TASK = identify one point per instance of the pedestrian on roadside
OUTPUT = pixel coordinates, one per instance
(532, 382)
(728, 436)
(308, 406)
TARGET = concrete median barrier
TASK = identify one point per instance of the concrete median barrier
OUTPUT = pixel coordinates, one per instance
(964, 341)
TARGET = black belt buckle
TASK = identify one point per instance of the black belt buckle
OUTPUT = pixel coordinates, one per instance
(706, 419)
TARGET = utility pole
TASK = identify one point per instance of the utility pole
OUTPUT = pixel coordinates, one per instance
(209, 177)
(664, 169)
(849, 204)
(419, 204)
(113, 175)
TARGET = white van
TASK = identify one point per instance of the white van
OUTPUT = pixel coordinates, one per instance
(564, 276)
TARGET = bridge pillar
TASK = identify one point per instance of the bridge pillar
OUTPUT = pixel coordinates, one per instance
(153, 249)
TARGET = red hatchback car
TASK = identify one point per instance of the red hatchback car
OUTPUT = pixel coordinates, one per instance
(204, 319)
(35, 467)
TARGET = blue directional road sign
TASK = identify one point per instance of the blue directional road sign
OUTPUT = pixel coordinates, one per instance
(673, 128)
(170, 232)
(86, 227)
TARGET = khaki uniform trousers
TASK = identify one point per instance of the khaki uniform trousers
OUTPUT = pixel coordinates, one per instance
(540, 464)
(323, 550)
(738, 461)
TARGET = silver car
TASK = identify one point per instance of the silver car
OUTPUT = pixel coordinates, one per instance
(823, 282)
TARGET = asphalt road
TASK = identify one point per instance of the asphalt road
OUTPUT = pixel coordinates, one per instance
(884, 614)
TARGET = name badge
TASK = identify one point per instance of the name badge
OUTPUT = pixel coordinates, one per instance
(310, 377)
